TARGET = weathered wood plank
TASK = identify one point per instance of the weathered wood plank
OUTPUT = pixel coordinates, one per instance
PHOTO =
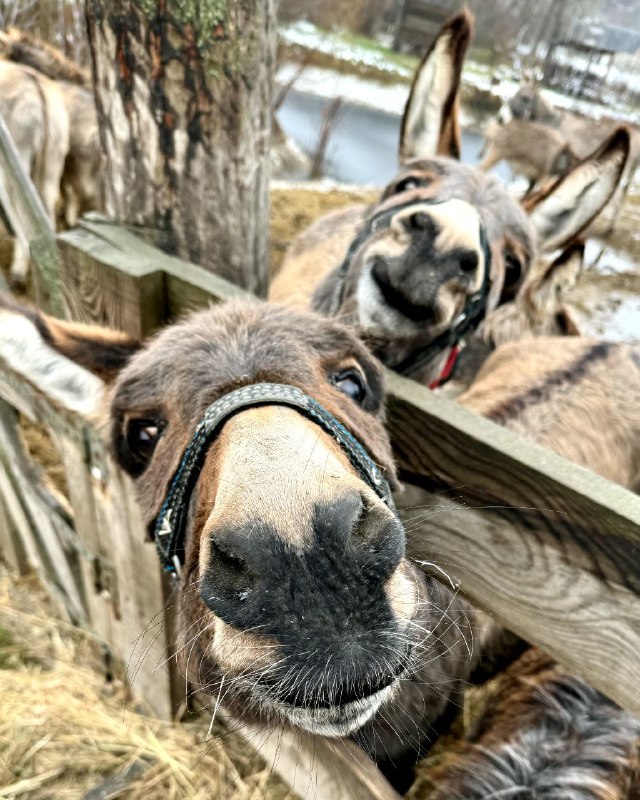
(110, 544)
(45, 537)
(137, 628)
(12, 549)
(325, 769)
(29, 222)
(113, 277)
(71, 446)
(548, 548)
(188, 286)
(105, 285)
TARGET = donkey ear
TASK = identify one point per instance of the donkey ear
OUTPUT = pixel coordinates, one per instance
(565, 270)
(547, 290)
(102, 351)
(430, 124)
(567, 206)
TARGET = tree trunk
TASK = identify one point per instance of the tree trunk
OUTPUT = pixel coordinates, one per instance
(184, 93)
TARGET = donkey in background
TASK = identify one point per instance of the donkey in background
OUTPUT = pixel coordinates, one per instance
(581, 134)
(54, 126)
(447, 243)
(530, 148)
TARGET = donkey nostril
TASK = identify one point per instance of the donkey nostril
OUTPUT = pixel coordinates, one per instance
(228, 579)
(419, 222)
(469, 262)
(226, 559)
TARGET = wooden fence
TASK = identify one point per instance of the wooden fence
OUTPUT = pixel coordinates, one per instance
(548, 548)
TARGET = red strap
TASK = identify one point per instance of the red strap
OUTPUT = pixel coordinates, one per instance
(449, 364)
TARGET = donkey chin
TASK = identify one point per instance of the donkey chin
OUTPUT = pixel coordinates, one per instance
(334, 721)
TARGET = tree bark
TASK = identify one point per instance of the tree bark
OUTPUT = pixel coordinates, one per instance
(184, 94)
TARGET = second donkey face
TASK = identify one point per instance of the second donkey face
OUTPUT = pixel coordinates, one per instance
(451, 233)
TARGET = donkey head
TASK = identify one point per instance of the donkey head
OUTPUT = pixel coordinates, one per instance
(296, 599)
(528, 103)
(446, 241)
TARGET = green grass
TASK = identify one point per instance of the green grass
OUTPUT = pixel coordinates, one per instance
(400, 59)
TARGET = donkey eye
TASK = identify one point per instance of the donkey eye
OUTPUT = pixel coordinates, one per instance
(513, 269)
(142, 437)
(351, 383)
(410, 183)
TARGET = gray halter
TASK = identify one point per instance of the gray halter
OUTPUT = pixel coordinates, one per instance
(170, 524)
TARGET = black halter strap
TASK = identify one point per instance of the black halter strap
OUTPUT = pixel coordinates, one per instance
(471, 315)
(170, 524)
(379, 221)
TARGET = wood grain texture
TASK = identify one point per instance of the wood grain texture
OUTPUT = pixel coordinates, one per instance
(187, 286)
(45, 537)
(548, 548)
(11, 545)
(112, 277)
(131, 579)
(324, 769)
(114, 569)
(104, 285)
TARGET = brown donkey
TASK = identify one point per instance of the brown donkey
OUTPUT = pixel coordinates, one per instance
(582, 134)
(447, 243)
(297, 602)
(530, 148)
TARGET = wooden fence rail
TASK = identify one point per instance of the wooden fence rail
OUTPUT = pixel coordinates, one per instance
(548, 548)
(556, 556)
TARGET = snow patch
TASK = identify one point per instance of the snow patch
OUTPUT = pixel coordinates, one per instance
(304, 34)
(360, 91)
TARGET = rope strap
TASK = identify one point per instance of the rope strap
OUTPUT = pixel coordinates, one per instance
(170, 525)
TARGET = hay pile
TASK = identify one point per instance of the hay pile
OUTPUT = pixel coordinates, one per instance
(66, 733)
(294, 207)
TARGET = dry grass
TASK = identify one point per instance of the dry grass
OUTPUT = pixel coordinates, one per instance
(40, 445)
(64, 730)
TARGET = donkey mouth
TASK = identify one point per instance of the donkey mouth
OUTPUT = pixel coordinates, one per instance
(398, 300)
(335, 721)
(352, 692)
(339, 713)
